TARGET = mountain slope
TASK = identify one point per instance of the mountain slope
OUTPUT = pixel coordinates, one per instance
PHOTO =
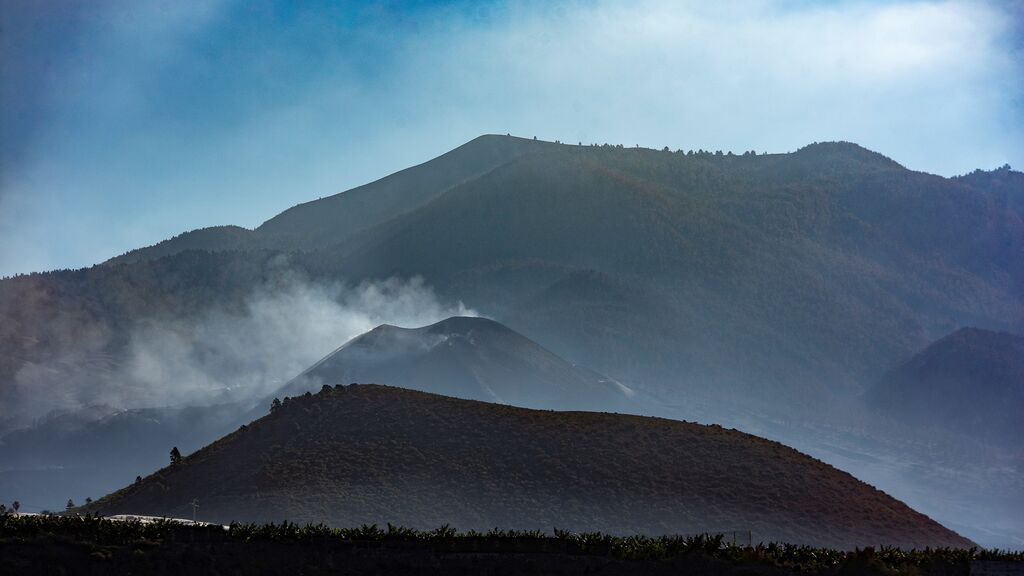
(93, 451)
(374, 454)
(789, 275)
(970, 382)
(785, 281)
(334, 219)
(470, 358)
(77, 455)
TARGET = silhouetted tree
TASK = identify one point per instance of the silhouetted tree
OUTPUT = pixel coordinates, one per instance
(88, 500)
(175, 456)
(275, 404)
(16, 505)
(138, 480)
(70, 504)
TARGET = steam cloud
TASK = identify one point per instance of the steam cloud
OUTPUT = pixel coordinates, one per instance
(225, 356)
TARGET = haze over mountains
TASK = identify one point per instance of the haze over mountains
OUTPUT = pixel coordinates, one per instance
(94, 451)
(373, 454)
(764, 289)
(89, 453)
(332, 220)
(786, 278)
(971, 382)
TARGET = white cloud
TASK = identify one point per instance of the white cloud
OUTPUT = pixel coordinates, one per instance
(935, 85)
(920, 82)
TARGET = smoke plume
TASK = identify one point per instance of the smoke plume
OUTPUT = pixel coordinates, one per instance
(225, 355)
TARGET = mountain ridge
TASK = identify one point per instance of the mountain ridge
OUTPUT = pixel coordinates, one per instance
(457, 462)
(465, 357)
(702, 248)
(334, 218)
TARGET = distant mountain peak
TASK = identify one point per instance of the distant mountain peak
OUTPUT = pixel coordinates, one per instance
(845, 150)
(468, 357)
(465, 324)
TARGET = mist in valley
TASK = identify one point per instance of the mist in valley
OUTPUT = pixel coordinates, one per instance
(225, 355)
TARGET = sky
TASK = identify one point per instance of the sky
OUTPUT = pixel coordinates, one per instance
(125, 122)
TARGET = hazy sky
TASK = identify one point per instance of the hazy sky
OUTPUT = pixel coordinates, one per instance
(127, 122)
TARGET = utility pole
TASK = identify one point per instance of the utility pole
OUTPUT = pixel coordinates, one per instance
(195, 506)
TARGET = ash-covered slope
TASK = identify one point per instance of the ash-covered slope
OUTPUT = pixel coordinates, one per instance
(375, 454)
(970, 382)
(471, 358)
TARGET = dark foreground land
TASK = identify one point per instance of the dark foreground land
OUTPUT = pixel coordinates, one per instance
(90, 545)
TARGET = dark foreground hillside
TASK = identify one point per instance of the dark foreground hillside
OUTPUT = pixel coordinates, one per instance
(368, 454)
(91, 545)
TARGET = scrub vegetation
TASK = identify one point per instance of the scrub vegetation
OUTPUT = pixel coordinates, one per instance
(92, 545)
(365, 454)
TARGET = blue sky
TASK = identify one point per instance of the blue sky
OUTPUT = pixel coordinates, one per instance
(125, 122)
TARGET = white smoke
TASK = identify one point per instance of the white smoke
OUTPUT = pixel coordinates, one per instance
(228, 355)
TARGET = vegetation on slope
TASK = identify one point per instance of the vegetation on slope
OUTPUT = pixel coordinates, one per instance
(333, 219)
(88, 544)
(366, 454)
(782, 279)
